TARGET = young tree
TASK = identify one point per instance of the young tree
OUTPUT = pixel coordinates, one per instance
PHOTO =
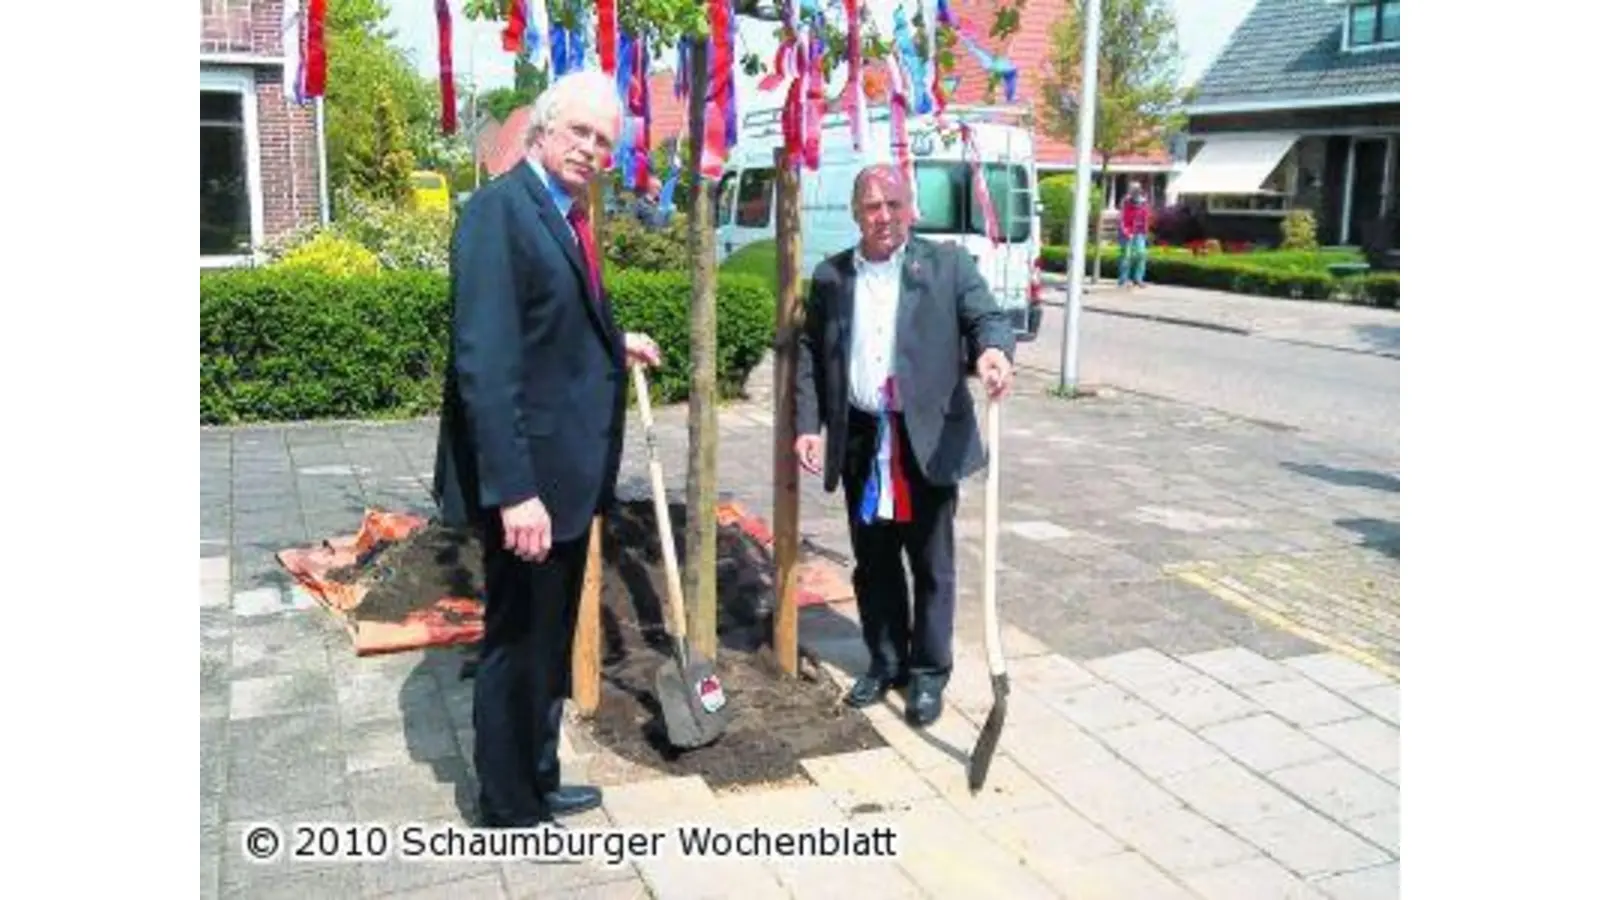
(1138, 98)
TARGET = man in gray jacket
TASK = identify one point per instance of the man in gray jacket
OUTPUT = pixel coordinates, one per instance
(893, 328)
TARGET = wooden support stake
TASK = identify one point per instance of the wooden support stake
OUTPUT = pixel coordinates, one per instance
(785, 467)
(586, 637)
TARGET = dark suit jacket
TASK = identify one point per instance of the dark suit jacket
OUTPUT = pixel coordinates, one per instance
(946, 319)
(534, 393)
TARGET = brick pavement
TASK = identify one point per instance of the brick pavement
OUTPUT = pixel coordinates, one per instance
(1204, 647)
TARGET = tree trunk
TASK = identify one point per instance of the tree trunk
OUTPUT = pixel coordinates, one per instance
(785, 468)
(700, 533)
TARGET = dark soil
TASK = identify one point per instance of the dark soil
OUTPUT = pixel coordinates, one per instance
(412, 574)
(775, 720)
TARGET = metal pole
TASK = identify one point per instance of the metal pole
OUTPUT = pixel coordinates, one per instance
(1080, 196)
(322, 162)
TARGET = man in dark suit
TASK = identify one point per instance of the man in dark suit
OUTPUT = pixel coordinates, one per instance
(530, 436)
(893, 327)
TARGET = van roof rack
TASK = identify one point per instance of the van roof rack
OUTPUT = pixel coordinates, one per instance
(768, 122)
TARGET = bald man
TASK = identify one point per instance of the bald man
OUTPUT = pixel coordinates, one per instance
(893, 328)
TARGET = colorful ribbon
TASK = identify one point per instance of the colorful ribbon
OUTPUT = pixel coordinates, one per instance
(316, 54)
(911, 60)
(886, 496)
(516, 24)
(980, 185)
(606, 34)
(994, 65)
(899, 141)
(855, 101)
(447, 84)
(537, 36)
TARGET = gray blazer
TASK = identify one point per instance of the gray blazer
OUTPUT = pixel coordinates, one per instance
(947, 318)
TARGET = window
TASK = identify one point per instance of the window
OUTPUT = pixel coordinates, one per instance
(755, 199)
(723, 199)
(225, 211)
(949, 205)
(1373, 23)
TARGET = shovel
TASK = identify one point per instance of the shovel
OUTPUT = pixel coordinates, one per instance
(989, 737)
(690, 694)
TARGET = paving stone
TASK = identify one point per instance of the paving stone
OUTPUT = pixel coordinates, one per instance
(1382, 829)
(1256, 878)
(1053, 841)
(1109, 792)
(1161, 748)
(631, 889)
(1180, 841)
(268, 601)
(1376, 883)
(243, 876)
(1119, 877)
(1368, 741)
(1103, 707)
(819, 877)
(1265, 742)
(1338, 788)
(1048, 675)
(419, 737)
(278, 646)
(1139, 668)
(876, 778)
(1007, 788)
(1310, 844)
(944, 743)
(1196, 701)
(371, 694)
(482, 887)
(1228, 793)
(1382, 701)
(334, 881)
(1052, 745)
(526, 878)
(1238, 666)
(1302, 702)
(1337, 672)
(251, 698)
(389, 877)
(927, 833)
(437, 792)
(668, 803)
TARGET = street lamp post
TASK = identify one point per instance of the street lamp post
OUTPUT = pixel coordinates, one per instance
(1080, 197)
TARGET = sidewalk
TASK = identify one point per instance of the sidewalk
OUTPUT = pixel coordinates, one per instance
(1202, 630)
(1339, 326)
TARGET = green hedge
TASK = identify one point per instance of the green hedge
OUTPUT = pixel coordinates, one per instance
(1270, 273)
(296, 345)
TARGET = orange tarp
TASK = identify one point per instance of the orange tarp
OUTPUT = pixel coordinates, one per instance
(449, 621)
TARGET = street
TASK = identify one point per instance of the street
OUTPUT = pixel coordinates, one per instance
(1285, 371)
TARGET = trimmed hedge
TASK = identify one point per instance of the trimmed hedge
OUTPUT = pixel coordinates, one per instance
(287, 345)
(1272, 273)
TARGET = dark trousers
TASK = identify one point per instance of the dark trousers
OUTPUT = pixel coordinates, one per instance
(524, 673)
(905, 631)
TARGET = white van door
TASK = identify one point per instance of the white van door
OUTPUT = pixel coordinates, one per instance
(727, 193)
(950, 211)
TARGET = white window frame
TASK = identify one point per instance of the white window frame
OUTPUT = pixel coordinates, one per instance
(1349, 13)
(243, 83)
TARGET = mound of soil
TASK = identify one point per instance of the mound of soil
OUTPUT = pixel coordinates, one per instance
(776, 720)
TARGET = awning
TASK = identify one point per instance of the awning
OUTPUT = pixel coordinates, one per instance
(1232, 164)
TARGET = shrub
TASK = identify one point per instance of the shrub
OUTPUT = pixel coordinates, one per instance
(630, 245)
(401, 236)
(295, 344)
(1057, 194)
(328, 253)
(1299, 230)
(1380, 289)
(1175, 224)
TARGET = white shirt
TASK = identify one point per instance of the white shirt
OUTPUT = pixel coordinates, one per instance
(872, 329)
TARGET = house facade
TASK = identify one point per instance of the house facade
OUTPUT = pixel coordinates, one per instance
(261, 158)
(1301, 110)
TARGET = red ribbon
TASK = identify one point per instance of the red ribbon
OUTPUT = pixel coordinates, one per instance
(516, 25)
(606, 35)
(447, 83)
(316, 56)
(991, 222)
(854, 101)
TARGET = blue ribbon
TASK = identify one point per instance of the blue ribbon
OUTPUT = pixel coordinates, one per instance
(906, 49)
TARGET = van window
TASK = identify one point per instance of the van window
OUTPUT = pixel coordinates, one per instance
(724, 199)
(755, 198)
(949, 205)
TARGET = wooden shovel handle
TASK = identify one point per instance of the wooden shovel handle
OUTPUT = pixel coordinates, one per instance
(669, 547)
(991, 542)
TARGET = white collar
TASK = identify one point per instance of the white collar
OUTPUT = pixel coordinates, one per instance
(893, 262)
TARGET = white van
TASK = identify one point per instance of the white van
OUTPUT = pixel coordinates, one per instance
(747, 205)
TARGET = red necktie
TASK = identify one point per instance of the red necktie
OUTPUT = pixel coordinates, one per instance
(580, 226)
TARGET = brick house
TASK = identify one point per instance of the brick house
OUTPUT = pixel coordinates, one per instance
(1301, 110)
(261, 155)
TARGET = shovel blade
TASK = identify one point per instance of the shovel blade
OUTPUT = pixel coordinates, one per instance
(692, 701)
(989, 737)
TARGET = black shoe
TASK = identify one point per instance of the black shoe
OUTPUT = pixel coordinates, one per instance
(873, 687)
(572, 798)
(924, 702)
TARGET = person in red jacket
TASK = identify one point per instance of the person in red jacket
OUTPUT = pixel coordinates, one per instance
(1135, 234)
